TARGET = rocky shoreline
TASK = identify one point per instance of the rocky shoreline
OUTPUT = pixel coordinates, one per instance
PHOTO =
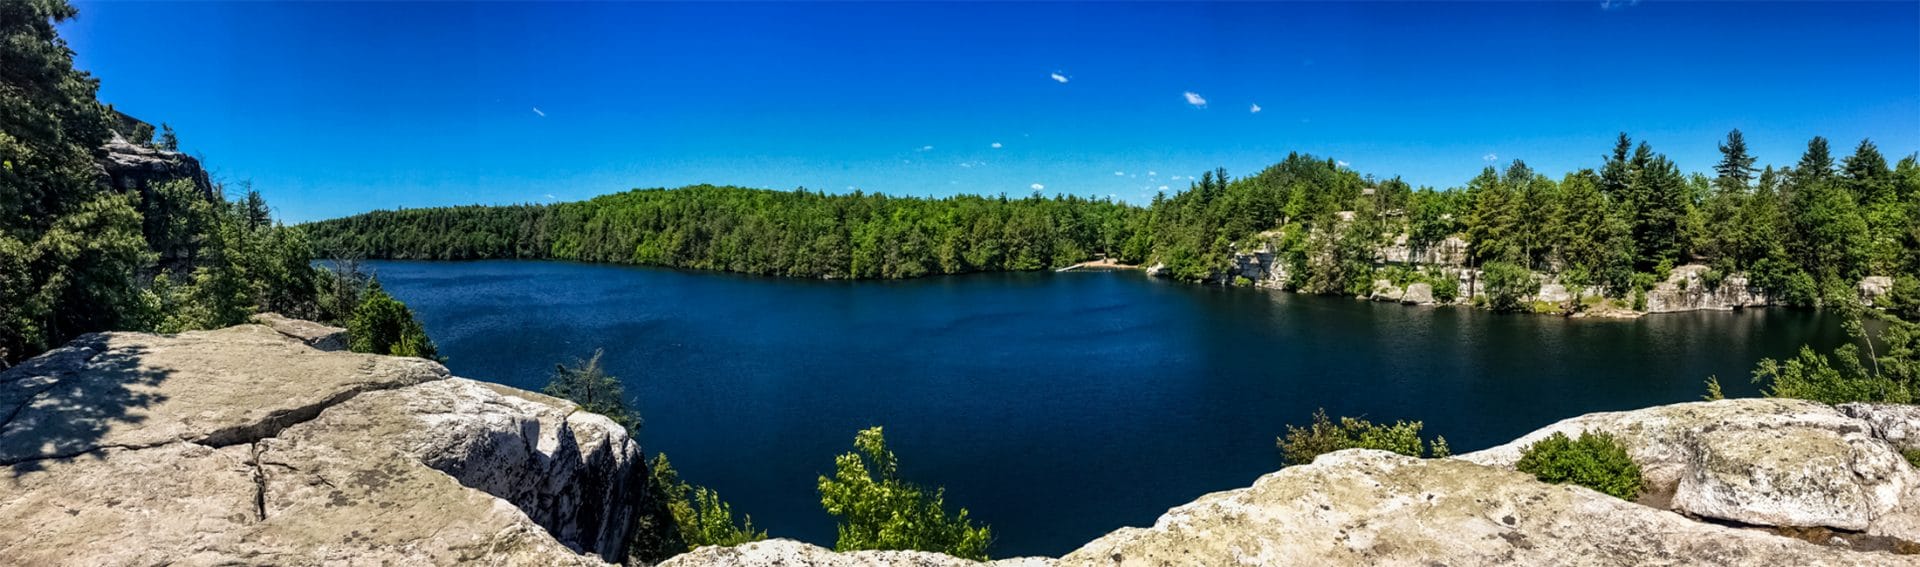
(1687, 288)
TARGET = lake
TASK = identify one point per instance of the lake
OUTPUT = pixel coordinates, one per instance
(1055, 406)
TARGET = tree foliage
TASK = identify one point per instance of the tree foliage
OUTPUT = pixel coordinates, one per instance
(384, 325)
(587, 383)
(1301, 444)
(701, 517)
(879, 510)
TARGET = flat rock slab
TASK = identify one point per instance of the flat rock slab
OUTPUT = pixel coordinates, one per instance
(248, 446)
(1767, 462)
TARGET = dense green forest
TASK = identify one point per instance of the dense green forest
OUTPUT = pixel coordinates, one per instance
(797, 233)
(1801, 232)
(78, 255)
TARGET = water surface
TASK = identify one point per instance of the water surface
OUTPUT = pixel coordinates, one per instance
(1056, 407)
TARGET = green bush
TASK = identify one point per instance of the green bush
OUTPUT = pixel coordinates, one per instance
(701, 518)
(1446, 289)
(1913, 456)
(384, 325)
(1302, 444)
(879, 510)
(1595, 460)
(1509, 286)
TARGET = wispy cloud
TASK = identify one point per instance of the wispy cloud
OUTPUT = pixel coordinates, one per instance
(1037, 186)
(1152, 173)
(1255, 109)
(1490, 157)
(536, 110)
(1163, 187)
(1195, 99)
(1618, 4)
(1119, 173)
(1342, 163)
(550, 197)
(995, 145)
(925, 148)
(1058, 78)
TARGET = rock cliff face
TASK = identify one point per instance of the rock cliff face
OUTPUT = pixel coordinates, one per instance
(131, 167)
(1735, 482)
(248, 445)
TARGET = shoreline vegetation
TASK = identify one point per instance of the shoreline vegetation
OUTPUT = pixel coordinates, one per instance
(1631, 237)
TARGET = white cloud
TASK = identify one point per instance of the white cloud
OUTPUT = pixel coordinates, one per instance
(1059, 78)
(1618, 4)
(1119, 173)
(1490, 157)
(926, 148)
(1152, 173)
(1038, 186)
(550, 197)
(536, 110)
(1255, 109)
(1163, 187)
(995, 145)
(1195, 99)
(1342, 163)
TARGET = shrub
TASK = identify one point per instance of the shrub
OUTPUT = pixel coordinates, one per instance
(1595, 460)
(1242, 281)
(879, 510)
(1446, 289)
(701, 517)
(383, 325)
(1302, 444)
(1509, 286)
(1913, 456)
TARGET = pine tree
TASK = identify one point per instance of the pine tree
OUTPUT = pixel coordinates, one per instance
(1736, 166)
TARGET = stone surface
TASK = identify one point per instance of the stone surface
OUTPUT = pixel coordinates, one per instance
(246, 446)
(1418, 294)
(1686, 289)
(130, 167)
(1756, 461)
(789, 553)
(318, 336)
(1898, 424)
(1361, 507)
(1872, 288)
(1384, 290)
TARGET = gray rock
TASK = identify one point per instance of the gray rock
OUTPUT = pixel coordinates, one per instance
(1773, 462)
(246, 446)
(1872, 288)
(318, 336)
(1686, 289)
(1418, 294)
(130, 167)
(1898, 424)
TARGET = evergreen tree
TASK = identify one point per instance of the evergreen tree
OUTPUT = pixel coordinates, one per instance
(879, 510)
(1735, 169)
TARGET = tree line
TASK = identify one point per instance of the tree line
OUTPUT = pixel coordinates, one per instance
(1802, 233)
(777, 233)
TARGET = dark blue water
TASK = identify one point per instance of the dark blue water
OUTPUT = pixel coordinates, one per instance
(1057, 407)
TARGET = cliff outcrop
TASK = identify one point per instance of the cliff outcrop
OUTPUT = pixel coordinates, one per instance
(249, 445)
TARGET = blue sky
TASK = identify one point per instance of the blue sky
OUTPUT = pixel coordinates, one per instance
(336, 108)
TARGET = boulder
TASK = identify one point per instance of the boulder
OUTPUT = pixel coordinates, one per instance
(248, 446)
(318, 336)
(1898, 424)
(1418, 294)
(1384, 290)
(1768, 462)
(1872, 288)
(1363, 507)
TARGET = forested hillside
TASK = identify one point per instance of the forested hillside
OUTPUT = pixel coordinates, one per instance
(782, 233)
(1799, 232)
